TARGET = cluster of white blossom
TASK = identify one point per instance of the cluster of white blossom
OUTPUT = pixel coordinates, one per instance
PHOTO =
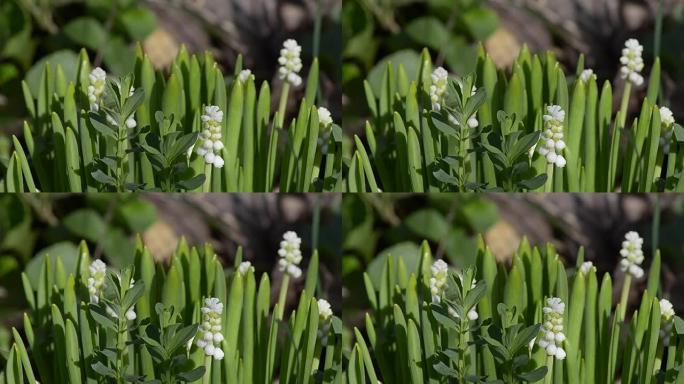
(552, 336)
(551, 143)
(324, 320)
(439, 87)
(96, 88)
(96, 279)
(632, 62)
(209, 336)
(666, 128)
(290, 62)
(632, 255)
(586, 267)
(667, 315)
(325, 123)
(244, 268)
(290, 254)
(210, 137)
(438, 281)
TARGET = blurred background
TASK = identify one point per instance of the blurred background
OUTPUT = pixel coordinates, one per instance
(375, 225)
(32, 225)
(376, 31)
(35, 31)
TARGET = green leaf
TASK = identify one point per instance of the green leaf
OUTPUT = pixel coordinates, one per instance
(86, 31)
(534, 376)
(428, 31)
(139, 22)
(481, 22)
(428, 223)
(86, 223)
(192, 375)
(67, 59)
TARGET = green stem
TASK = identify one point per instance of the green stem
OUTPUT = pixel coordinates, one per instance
(463, 346)
(622, 113)
(206, 379)
(282, 295)
(206, 187)
(120, 157)
(120, 348)
(462, 144)
(624, 296)
(283, 104)
(548, 187)
(548, 379)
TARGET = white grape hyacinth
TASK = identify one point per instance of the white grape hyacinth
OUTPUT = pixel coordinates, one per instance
(586, 75)
(438, 281)
(439, 87)
(632, 255)
(290, 254)
(210, 138)
(290, 62)
(632, 62)
(552, 337)
(551, 144)
(98, 80)
(325, 123)
(209, 336)
(244, 76)
(244, 268)
(325, 315)
(667, 314)
(586, 267)
(96, 280)
(667, 122)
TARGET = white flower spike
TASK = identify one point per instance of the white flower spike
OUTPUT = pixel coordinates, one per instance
(667, 122)
(438, 88)
(551, 144)
(552, 336)
(96, 280)
(209, 336)
(438, 281)
(667, 315)
(210, 138)
(98, 80)
(632, 255)
(290, 254)
(290, 62)
(632, 62)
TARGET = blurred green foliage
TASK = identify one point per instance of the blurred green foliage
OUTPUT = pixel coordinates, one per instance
(396, 224)
(376, 32)
(33, 32)
(45, 224)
